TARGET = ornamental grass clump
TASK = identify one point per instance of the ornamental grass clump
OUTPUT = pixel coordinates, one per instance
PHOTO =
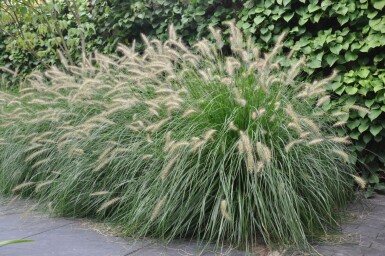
(181, 142)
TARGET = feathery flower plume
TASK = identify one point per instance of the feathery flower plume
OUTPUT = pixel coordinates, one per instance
(248, 150)
(304, 135)
(109, 203)
(188, 112)
(312, 125)
(164, 173)
(315, 141)
(153, 112)
(43, 184)
(177, 145)
(360, 181)
(147, 156)
(224, 211)
(157, 208)
(261, 111)
(290, 111)
(209, 134)
(339, 123)
(359, 108)
(295, 127)
(102, 164)
(342, 140)
(241, 102)
(36, 154)
(100, 193)
(198, 144)
(23, 185)
(277, 105)
(156, 126)
(217, 36)
(292, 144)
(263, 152)
(232, 126)
(41, 162)
(323, 100)
(342, 154)
(339, 113)
(260, 166)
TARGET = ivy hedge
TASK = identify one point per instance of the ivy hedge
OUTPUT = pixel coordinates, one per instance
(344, 35)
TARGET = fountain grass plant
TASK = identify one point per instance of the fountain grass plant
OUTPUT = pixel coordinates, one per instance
(181, 142)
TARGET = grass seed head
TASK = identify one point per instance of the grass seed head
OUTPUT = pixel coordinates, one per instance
(108, 204)
(224, 212)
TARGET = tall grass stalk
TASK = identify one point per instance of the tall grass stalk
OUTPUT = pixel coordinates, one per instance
(181, 142)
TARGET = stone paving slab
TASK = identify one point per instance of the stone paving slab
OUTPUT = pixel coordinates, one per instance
(367, 228)
(69, 237)
(363, 235)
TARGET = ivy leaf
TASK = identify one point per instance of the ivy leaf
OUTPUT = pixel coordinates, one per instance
(288, 16)
(313, 7)
(367, 138)
(374, 113)
(363, 73)
(266, 37)
(336, 49)
(351, 90)
(331, 59)
(350, 56)
(363, 127)
(375, 129)
(379, 5)
(374, 178)
(258, 20)
(342, 19)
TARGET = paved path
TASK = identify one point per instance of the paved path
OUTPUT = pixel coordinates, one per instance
(363, 234)
(68, 237)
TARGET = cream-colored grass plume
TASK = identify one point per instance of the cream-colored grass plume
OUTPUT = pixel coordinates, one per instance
(342, 140)
(39, 163)
(315, 141)
(339, 113)
(296, 127)
(321, 101)
(248, 151)
(224, 210)
(36, 154)
(292, 144)
(263, 152)
(40, 185)
(23, 185)
(339, 123)
(189, 112)
(290, 111)
(109, 203)
(167, 168)
(360, 181)
(342, 154)
(157, 209)
(156, 126)
(311, 124)
(359, 109)
(209, 134)
(100, 193)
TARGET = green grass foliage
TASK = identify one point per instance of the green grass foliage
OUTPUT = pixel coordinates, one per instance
(182, 142)
(345, 35)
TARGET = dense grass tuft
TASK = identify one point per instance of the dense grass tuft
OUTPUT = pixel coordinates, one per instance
(181, 142)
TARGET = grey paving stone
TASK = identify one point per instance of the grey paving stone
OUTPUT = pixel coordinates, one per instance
(340, 250)
(74, 241)
(185, 248)
(18, 226)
